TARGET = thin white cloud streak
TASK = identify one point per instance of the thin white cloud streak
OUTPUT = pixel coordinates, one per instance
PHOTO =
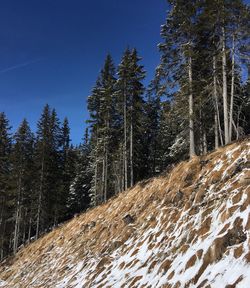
(19, 65)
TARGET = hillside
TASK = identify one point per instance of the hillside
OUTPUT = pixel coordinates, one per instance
(188, 228)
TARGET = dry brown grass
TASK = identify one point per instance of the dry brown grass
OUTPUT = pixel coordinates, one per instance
(99, 232)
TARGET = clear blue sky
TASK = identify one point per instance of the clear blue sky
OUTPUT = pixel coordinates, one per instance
(52, 50)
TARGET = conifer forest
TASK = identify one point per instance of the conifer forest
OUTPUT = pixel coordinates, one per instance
(198, 100)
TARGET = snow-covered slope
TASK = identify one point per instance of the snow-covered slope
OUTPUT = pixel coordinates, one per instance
(189, 228)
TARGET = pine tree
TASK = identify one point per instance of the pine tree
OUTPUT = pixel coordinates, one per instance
(154, 130)
(173, 137)
(67, 165)
(47, 156)
(79, 193)
(224, 25)
(122, 93)
(246, 107)
(5, 193)
(41, 157)
(22, 183)
(131, 107)
(101, 107)
(136, 120)
(177, 52)
(54, 195)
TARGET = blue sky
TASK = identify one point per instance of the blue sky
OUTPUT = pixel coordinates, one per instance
(52, 50)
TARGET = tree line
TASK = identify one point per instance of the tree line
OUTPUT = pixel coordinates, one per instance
(37, 179)
(198, 100)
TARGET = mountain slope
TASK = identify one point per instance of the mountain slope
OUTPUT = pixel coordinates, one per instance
(189, 228)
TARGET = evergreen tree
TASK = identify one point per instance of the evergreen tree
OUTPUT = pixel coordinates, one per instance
(68, 167)
(47, 156)
(215, 31)
(179, 36)
(5, 195)
(136, 120)
(42, 154)
(131, 107)
(55, 193)
(246, 108)
(22, 183)
(101, 107)
(153, 109)
(122, 93)
(79, 193)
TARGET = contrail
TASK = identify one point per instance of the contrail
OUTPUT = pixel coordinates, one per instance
(19, 65)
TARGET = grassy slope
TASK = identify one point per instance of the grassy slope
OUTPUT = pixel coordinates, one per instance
(191, 229)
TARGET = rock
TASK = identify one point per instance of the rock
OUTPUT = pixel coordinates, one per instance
(115, 245)
(203, 162)
(244, 180)
(179, 195)
(178, 198)
(238, 167)
(128, 219)
(92, 224)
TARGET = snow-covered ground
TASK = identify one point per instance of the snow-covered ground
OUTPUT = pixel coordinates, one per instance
(191, 229)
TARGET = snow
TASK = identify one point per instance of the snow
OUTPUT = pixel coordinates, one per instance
(230, 152)
(218, 165)
(2, 283)
(226, 272)
(141, 257)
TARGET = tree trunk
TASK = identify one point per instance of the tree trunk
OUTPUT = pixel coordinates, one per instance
(24, 225)
(204, 142)
(106, 175)
(121, 168)
(2, 227)
(56, 212)
(125, 142)
(103, 178)
(16, 230)
(29, 231)
(18, 212)
(224, 77)
(96, 171)
(232, 92)
(39, 209)
(216, 135)
(217, 120)
(236, 129)
(106, 159)
(2, 254)
(191, 110)
(131, 152)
